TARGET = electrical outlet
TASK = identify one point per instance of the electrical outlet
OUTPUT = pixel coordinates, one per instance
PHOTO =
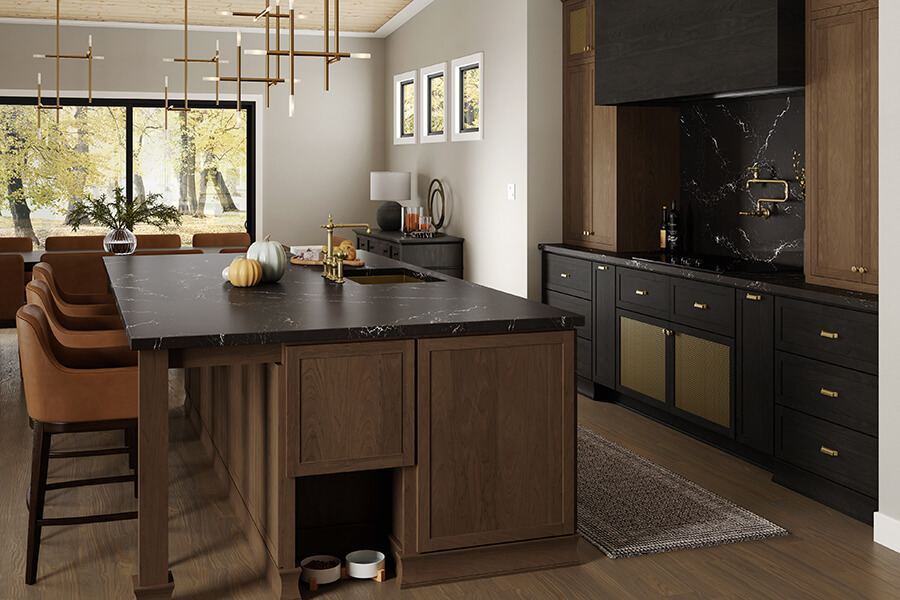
(511, 191)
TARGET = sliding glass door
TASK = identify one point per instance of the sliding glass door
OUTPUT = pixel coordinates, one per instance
(201, 163)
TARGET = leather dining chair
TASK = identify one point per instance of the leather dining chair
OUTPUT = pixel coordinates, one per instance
(74, 242)
(79, 272)
(16, 244)
(158, 240)
(74, 304)
(12, 286)
(103, 331)
(70, 391)
(206, 240)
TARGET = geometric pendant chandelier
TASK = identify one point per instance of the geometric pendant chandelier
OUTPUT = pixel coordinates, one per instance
(88, 56)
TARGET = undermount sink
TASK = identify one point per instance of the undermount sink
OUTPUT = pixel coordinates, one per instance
(390, 276)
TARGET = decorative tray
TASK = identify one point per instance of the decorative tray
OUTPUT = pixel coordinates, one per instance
(347, 263)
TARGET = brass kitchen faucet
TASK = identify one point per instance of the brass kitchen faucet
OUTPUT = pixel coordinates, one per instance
(333, 263)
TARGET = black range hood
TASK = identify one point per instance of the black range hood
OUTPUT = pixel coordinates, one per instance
(669, 51)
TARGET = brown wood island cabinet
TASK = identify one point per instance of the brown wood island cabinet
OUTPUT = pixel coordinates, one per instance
(431, 419)
(842, 144)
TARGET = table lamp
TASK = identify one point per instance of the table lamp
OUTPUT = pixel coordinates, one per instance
(390, 188)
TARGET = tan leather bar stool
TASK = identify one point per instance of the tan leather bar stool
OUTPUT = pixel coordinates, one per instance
(79, 272)
(12, 286)
(206, 240)
(158, 240)
(69, 391)
(76, 305)
(103, 333)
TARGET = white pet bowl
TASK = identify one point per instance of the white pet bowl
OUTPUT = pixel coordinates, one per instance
(321, 576)
(364, 564)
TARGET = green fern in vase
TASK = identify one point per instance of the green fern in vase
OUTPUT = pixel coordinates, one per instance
(122, 213)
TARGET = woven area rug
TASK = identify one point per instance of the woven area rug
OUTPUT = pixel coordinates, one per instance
(629, 506)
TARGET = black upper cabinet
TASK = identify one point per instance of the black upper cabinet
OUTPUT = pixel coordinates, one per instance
(651, 50)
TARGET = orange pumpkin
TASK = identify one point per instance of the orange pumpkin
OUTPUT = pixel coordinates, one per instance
(244, 272)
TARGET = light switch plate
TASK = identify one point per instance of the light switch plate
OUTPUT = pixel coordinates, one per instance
(511, 191)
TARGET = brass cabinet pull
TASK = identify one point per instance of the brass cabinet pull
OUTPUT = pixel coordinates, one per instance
(640, 292)
(565, 275)
(602, 268)
(828, 451)
(854, 269)
(754, 297)
(668, 332)
(828, 334)
(863, 270)
(829, 393)
(700, 305)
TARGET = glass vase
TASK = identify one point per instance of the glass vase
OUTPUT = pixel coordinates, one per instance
(120, 242)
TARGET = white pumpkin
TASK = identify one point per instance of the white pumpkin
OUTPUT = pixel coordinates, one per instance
(272, 258)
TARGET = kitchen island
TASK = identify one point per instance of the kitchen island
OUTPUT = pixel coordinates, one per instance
(414, 413)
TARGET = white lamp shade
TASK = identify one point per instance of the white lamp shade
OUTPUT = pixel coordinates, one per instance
(390, 185)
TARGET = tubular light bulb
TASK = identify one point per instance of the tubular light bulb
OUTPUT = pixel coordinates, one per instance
(300, 16)
(363, 55)
(239, 39)
(39, 79)
(90, 41)
(210, 79)
(39, 55)
(224, 13)
(291, 106)
(168, 60)
(292, 5)
(217, 45)
(254, 52)
(167, 81)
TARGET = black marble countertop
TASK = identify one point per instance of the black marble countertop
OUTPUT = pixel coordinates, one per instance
(397, 237)
(790, 284)
(182, 301)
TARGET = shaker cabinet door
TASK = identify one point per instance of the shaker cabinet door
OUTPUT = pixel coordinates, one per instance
(495, 415)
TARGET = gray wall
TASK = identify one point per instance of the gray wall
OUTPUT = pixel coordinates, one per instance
(313, 164)
(887, 520)
(522, 119)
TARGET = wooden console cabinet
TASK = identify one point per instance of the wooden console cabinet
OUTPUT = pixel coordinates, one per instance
(842, 144)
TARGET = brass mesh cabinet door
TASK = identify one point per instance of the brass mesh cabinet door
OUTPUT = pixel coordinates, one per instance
(703, 379)
(642, 358)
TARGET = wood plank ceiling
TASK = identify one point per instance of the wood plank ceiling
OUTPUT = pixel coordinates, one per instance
(364, 16)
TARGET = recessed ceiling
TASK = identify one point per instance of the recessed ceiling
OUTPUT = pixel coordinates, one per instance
(362, 16)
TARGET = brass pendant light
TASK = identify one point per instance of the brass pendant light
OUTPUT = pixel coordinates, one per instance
(89, 56)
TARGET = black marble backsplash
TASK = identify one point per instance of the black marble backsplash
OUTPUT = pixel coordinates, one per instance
(720, 139)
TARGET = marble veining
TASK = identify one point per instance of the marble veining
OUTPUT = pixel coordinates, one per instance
(720, 139)
(180, 301)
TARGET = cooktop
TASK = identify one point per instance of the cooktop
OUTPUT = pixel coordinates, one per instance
(719, 264)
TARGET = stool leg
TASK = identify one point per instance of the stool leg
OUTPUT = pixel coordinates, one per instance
(40, 456)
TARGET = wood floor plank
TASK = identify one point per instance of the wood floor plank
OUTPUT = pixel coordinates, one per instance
(829, 556)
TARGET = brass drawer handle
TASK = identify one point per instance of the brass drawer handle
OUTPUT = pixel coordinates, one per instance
(565, 275)
(828, 334)
(668, 332)
(828, 451)
(754, 297)
(700, 305)
(602, 268)
(640, 292)
(861, 270)
(829, 393)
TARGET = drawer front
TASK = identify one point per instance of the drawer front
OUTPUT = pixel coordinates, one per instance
(834, 452)
(842, 396)
(583, 357)
(646, 293)
(432, 256)
(844, 337)
(575, 305)
(568, 275)
(704, 306)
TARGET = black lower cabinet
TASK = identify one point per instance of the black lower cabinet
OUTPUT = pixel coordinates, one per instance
(787, 383)
(756, 360)
(685, 371)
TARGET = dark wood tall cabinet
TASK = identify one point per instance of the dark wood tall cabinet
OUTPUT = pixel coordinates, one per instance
(620, 164)
(842, 144)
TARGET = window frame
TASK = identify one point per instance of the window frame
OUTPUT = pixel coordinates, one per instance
(458, 67)
(400, 81)
(427, 74)
(131, 103)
